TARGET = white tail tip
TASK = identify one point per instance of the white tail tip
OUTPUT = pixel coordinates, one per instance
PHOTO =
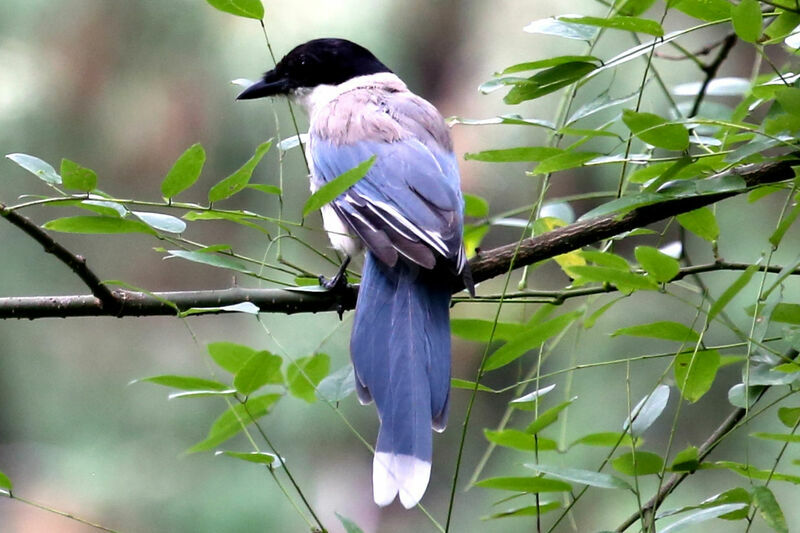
(405, 475)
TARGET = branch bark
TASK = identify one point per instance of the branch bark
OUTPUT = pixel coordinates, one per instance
(487, 265)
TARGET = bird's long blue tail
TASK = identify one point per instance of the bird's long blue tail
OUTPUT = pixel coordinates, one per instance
(401, 353)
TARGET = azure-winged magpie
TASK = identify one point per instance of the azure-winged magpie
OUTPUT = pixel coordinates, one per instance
(407, 212)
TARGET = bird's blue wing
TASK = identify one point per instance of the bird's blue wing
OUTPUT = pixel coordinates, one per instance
(409, 204)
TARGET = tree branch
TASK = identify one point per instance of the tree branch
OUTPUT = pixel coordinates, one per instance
(105, 299)
(487, 265)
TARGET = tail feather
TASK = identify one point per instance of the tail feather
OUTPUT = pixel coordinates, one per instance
(401, 353)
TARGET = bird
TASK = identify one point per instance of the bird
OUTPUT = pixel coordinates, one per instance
(407, 212)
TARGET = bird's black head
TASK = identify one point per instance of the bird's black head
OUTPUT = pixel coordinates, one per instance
(317, 62)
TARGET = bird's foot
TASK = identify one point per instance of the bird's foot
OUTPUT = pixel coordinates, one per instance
(337, 283)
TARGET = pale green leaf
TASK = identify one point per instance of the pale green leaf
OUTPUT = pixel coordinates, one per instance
(665, 329)
(528, 339)
(695, 372)
(701, 222)
(632, 24)
(747, 20)
(260, 369)
(769, 509)
(230, 356)
(656, 131)
(305, 373)
(97, 225)
(475, 206)
(184, 171)
(584, 477)
(41, 169)
(161, 222)
(338, 385)
(239, 179)
(252, 9)
(263, 458)
(233, 420)
(328, 192)
(510, 155)
(639, 463)
(533, 485)
(657, 264)
(184, 382)
(74, 176)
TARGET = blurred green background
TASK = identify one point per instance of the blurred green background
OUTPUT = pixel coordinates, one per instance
(123, 87)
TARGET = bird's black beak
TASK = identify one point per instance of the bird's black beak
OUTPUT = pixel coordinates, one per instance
(271, 85)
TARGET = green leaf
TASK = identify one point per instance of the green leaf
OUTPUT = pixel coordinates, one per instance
(782, 312)
(789, 98)
(473, 329)
(607, 259)
(638, 464)
(606, 439)
(564, 161)
(529, 510)
(41, 169)
(656, 131)
(512, 119)
(701, 222)
(252, 9)
(303, 375)
(789, 416)
(528, 339)
(261, 368)
(263, 458)
(338, 385)
(624, 281)
(703, 515)
(457, 383)
(647, 411)
(695, 372)
(511, 438)
(658, 264)
(5, 483)
(734, 288)
(229, 356)
(184, 172)
(769, 509)
(747, 20)
(267, 189)
(512, 155)
(549, 62)
(782, 437)
(666, 329)
(532, 485)
(548, 417)
(687, 460)
(349, 525)
(184, 382)
(99, 224)
(558, 28)
(708, 10)
(211, 259)
(584, 477)
(776, 238)
(161, 222)
(548, 81)
(751, 472)
(228, 423)
(338, 185)
(632, 24)
(239, 179)
(76, 177)
(475, 206)
(623, 205)
(632, 8)
(597, 105)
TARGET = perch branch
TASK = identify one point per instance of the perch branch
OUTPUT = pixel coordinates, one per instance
(488, 264)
